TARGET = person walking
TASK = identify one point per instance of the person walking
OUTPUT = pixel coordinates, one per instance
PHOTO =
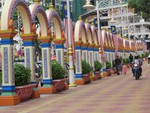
(118, 64)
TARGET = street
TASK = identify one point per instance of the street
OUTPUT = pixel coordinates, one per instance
(114, 94)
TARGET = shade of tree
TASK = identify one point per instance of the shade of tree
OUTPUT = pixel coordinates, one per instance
(141, 7)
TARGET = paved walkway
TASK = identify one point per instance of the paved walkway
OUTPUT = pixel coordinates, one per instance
(114, 94)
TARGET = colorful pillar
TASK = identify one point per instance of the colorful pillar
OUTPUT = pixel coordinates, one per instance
(91, 55)
(8, 95)
(78, 63)
(60, 50)
(47, 88)
(29, 53)
(85, 51)
(96, 52)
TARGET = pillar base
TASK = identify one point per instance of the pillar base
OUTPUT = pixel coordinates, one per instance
(80, 81)
(35, 94)
(72, 85)
(104, 74)
(9, 100)
(47, 90)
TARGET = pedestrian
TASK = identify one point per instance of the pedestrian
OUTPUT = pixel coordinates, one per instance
(131, 58)
(118, 64)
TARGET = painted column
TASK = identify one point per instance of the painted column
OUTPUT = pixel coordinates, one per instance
(46, 68)
(96, 53)
(100, 55)
(91, 55)
(29, 53)
(8, 80)
(60, 51)
(85, 51)
(78, 64)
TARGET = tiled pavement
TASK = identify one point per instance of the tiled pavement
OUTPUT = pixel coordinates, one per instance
(114, 94)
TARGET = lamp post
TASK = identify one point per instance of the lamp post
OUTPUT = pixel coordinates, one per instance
(70, 51)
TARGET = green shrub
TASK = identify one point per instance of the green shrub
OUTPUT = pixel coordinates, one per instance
(108, 65)
(127, 60)
(124, 61)
(97, 65)
(58, 72)
(22, 75)
(113, 63)
(0, 77)
(86, 68)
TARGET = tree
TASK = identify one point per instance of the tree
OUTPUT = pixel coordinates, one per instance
(141, 7)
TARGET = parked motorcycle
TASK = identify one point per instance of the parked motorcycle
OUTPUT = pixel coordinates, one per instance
(136, 69)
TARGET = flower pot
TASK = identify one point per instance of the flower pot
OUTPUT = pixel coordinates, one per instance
(60, 84)
(112, 71)
(86, 78)
(115, 70)
(97, 74)
(25, 92)
(109, 72)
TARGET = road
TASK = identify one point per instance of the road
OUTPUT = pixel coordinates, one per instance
(114, 94)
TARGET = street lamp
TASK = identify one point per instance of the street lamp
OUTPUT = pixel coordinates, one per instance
(70, 51)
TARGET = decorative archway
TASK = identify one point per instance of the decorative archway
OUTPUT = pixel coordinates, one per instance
(80, 37)
(45, 38)
(59, 37)
(7, 33)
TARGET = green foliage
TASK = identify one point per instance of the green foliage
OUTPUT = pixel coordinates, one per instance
(97, 65)
(58, 72)
(124, 61)
(22, 75)
(140, 6)
(86, 68)
(0, 76)
(108, 65)
(113, 63)
(127, 60)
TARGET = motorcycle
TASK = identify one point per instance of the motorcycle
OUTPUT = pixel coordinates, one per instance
(136, 69)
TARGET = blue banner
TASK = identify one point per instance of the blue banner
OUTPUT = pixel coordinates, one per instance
(96, 22)
(113, 29)
(64, 9)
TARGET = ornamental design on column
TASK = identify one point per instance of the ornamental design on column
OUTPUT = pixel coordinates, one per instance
(80, 38)
(7, 33)
(59, 37)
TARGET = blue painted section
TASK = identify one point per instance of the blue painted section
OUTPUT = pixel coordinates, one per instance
(90, 49)
(59, 46)
(104, 70)
(84, 48)
(95, 49)
(106, 50)
(33, 82)
(47, 81)
(78, 75)
(28, 43)
(120, 51)
(45, 45)
(8, 88)
(7, 41)
(78, 47)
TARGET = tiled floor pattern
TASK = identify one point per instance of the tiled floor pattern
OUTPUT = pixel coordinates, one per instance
(114, 94)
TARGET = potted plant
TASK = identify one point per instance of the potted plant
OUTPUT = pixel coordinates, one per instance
(97, 66)
(124, 66)
(108, 67)
(128, 62)
(86, 69)
(22, 80)
(114, 66)
(58, 75)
